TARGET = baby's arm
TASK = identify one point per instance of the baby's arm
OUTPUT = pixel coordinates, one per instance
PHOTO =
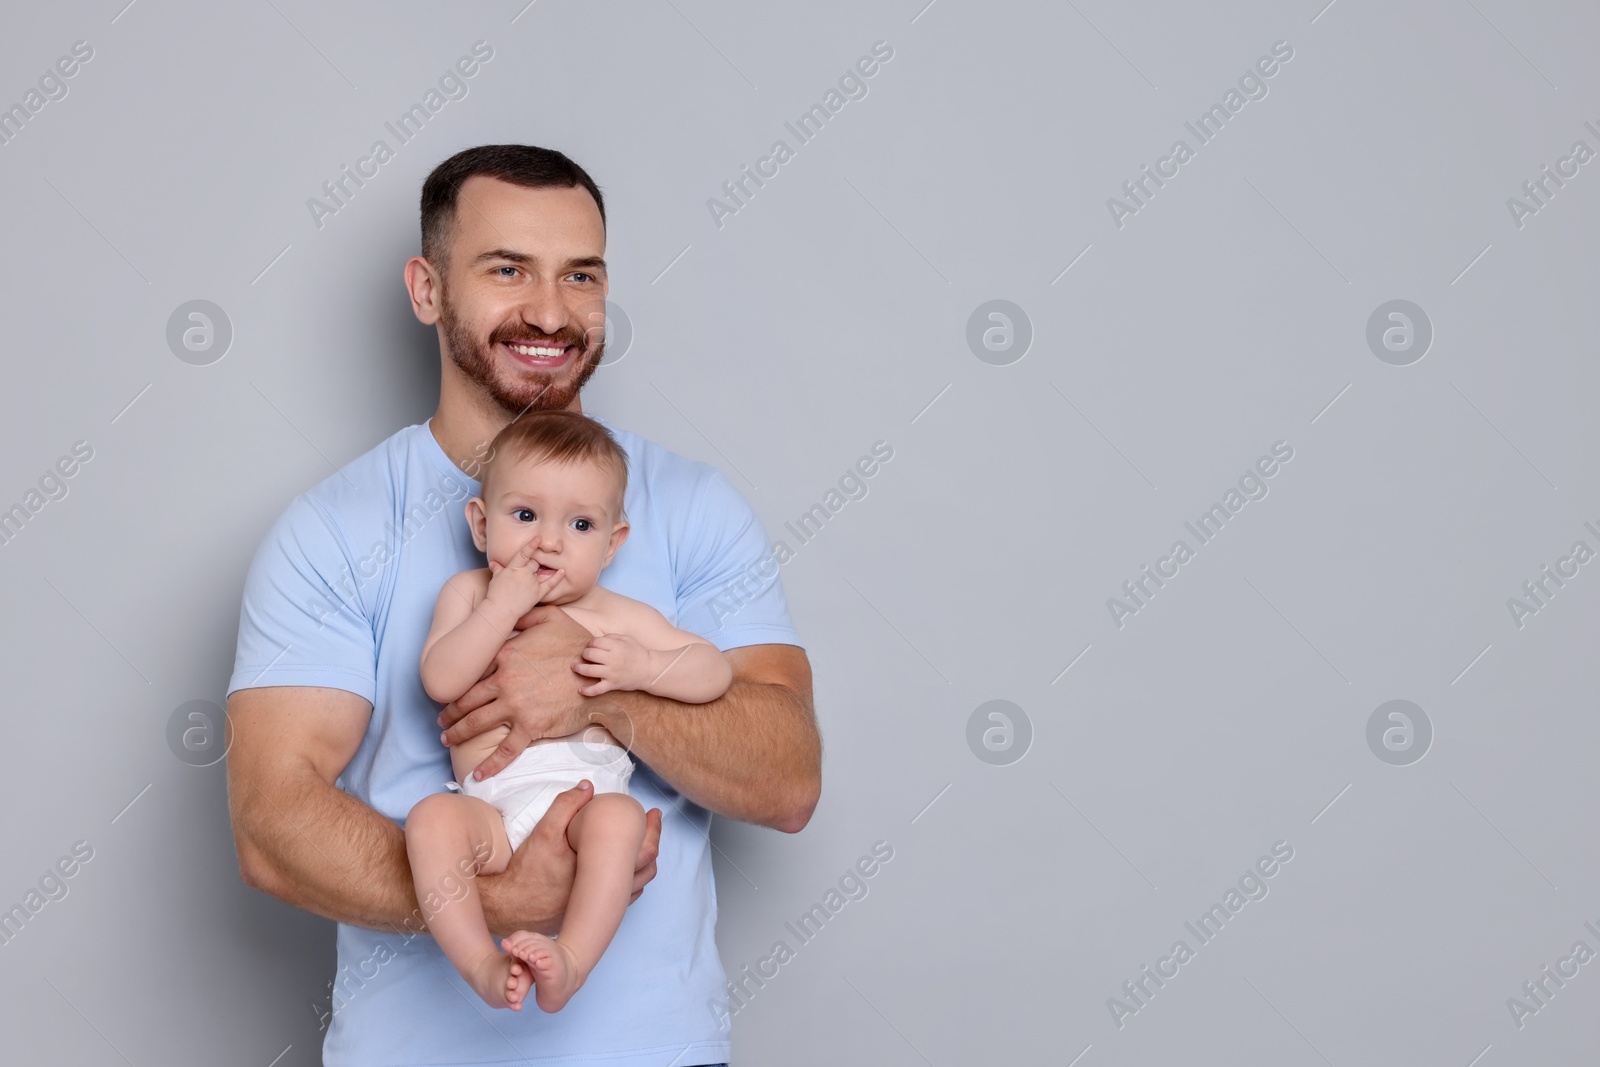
(464, 638)
(656, 657)
(473, 618)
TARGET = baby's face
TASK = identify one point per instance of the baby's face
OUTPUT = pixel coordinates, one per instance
(569, 507)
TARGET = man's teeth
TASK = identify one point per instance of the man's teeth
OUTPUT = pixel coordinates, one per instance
(538, 350)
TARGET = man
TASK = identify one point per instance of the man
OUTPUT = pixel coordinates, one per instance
(334, 738)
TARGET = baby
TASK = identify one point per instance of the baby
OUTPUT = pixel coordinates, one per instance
(550, 518)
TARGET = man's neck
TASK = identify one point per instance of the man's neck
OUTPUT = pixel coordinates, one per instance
(467, 420)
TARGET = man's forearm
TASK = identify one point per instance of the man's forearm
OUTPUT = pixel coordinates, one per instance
(312, 845)
(752, 754)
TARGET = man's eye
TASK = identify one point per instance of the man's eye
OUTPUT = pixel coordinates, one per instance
(523, 514)
(583, 277)
(511, 270)
(583, 525)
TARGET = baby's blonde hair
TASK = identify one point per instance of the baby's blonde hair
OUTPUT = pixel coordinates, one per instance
(560, 437)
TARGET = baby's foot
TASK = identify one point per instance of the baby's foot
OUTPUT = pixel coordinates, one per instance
(556, 976)
(502, 981)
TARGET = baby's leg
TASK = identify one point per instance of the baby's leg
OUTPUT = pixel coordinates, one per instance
(605, 834)
(445, 833)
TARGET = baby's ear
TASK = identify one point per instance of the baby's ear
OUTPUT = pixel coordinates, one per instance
(477, 522)
(619, 534)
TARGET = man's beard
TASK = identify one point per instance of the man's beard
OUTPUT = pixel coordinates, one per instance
(545, 390)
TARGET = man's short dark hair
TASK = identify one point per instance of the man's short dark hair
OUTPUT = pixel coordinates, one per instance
(520, 164)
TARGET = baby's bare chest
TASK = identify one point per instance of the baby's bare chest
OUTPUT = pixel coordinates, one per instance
(597, 621)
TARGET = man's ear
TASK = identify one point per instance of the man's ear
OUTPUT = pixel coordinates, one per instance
(619, 534)
(478, 521)
(424, 284)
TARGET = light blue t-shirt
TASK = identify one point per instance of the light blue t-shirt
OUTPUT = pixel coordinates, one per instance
(341, 594)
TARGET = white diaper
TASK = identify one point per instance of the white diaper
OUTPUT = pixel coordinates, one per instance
(524, 791)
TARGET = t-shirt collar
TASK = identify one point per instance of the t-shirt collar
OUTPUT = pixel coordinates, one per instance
(443, 462)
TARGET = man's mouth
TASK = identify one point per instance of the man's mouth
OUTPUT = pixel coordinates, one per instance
(542, 354)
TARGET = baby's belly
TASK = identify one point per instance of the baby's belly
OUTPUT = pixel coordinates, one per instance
(465, 757)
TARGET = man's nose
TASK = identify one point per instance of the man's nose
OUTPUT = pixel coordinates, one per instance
(543, 308)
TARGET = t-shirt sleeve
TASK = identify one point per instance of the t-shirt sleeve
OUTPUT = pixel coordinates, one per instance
(728, 587)
(297, 625)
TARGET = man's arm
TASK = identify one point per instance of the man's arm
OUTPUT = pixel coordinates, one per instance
(753, 754)
(305, 841)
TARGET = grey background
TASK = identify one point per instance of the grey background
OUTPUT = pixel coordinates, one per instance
(829, 313)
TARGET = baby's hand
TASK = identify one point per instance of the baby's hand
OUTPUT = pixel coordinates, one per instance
(619, 661)
(518, 584)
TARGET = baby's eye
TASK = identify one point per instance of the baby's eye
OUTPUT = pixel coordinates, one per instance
(582, 525)
(523, 514)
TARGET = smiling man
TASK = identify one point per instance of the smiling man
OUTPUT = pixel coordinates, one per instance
(334, 738)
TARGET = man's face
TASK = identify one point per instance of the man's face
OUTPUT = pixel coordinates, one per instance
(522, 299)
(570, 508)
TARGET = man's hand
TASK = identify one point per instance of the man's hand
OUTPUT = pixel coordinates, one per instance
(531, 893)
(533, 689)
(619, 662)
